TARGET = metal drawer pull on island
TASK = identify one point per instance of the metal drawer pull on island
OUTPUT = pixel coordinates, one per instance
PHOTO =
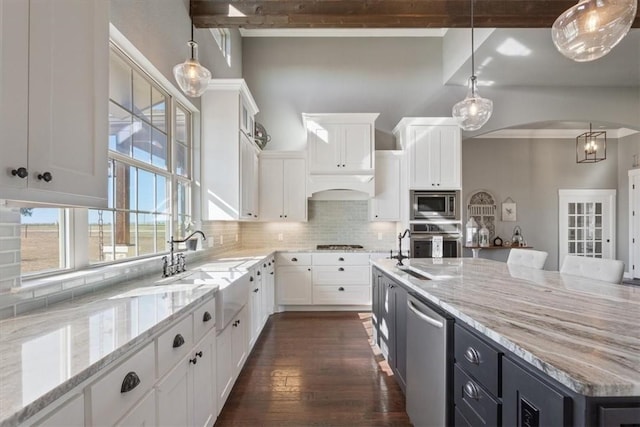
(472, 355)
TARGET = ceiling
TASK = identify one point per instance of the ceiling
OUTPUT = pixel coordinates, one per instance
(377, 13)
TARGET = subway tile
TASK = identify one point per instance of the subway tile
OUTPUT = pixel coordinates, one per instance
(30, 305)
(59, 297)
(7, 312)
(10, 244)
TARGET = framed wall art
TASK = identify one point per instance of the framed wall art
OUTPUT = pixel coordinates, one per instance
(509, 210)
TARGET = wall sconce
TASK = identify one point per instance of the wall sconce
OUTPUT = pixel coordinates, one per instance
(591, 147)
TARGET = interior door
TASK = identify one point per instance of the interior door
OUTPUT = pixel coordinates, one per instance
(587, 223)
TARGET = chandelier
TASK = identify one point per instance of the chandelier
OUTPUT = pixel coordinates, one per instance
(591, 147)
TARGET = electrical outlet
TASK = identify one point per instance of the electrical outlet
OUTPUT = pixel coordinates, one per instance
(379, 236)
(221, 239)
(210, 242)
(280, 237)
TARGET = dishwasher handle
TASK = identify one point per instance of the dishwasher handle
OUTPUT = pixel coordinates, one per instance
(421, 315)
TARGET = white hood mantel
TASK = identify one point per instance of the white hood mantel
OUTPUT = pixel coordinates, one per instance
(340, 187)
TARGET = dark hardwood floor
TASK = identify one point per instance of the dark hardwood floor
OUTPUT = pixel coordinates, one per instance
(315, 369)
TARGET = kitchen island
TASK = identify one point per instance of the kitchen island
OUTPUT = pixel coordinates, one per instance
(579, 335)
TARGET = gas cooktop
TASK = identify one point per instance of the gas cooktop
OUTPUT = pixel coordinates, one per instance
(339, 247)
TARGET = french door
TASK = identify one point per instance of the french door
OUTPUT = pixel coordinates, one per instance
(587, 223)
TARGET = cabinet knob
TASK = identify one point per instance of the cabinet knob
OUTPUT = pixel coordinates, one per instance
(194, 361)
(285, 216)
(206, 316)
(376, 216)
(251, 279)
(343, 165)
(199, 354)
(472, 355)
(341, 289)
(471, 390)
(178, 341)
(340, 259)
(341, 269)
(20, 172)
(294, 259)
(338, 165)
(258, 273)
(46, 177)
(256, 290)
(308, 269)
(130, 381)
(271, 273)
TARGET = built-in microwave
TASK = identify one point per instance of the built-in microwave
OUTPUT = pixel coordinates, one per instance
(434, 205)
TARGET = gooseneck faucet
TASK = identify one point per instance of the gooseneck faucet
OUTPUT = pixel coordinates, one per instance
(176, 263)
(401, 236)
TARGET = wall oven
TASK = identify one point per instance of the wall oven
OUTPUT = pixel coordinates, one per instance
(422, 239)
(434, 205)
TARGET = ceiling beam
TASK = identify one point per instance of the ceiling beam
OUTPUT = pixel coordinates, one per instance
(378, 13)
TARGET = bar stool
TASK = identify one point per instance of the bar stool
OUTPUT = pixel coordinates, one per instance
(608, 270)
(527, 258)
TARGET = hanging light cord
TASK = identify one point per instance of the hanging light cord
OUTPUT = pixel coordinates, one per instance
(192, 44)
(473, 63)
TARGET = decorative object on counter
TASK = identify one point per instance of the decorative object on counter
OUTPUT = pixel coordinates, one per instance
(436, 247)
(591, 28)
(176, 263)
(509, 210)
(497, 241)
(260, 135)
(471, 233)
(191, 76)
(483, 237)
(400, 257)
(473, 111)
(517, 239)
(591, 147)
(482, 207)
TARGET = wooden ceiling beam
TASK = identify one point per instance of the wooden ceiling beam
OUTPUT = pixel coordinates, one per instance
(377, 13)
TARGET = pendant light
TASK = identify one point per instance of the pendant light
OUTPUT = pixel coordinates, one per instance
(191, 76)
(473, 111)
(591, 28)
(591, 147)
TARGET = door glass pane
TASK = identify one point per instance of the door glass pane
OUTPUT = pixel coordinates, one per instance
(598, 208)
(572, 208)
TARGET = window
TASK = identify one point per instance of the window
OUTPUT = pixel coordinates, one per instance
(223, 39)
(150, 154)
(42, 240)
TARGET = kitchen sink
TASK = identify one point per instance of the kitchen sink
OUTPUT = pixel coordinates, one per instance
(413, 273)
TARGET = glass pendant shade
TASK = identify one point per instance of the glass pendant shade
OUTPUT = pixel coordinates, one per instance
(473, 111)
(191, 76)
(591, 28)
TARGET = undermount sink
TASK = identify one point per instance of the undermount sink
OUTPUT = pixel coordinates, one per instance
(413, 272)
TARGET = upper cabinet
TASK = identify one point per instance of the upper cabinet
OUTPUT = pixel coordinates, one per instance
(229, 159)
(340, 143)
(282, 186)
(385, 206)
(433, 148)
(54, 101)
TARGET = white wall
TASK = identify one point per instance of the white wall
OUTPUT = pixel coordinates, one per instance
(627, 148)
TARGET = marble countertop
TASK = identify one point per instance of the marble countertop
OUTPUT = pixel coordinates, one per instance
(46, 353)
(584, 333)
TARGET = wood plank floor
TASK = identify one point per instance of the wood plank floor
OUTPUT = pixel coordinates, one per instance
(315, 369)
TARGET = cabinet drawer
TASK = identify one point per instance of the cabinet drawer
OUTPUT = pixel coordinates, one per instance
(204, 319)
(474, 403)
(339, 258)
(335, 275)
(108, 400)
(342, 295)
(293, 258)
(174, 344)
(478, 359)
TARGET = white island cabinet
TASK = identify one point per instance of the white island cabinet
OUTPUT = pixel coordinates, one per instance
(229, 153)
(54, 64)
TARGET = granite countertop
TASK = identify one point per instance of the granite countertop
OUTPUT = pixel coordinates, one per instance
(46, 353)
(584, 333)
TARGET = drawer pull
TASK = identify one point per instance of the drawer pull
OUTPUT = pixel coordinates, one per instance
(341, 288)
(251, 278)
(340, 259)
(131, 381)
(472, 355)
(256, 290)
(271, 273)
(341, 269)
(194, 361)
(178, 341)
(294, 259)
(199, 354)
(471, 390)
(258, 273)
(206, 316)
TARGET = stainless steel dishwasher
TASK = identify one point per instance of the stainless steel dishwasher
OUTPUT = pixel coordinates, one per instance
(427, 372)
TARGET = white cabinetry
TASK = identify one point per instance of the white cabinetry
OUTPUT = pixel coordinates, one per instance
(385, 206)
(70, 414)
(256, 290)
(231, 354)
(341, 279)
(293, 283)
(340, 143)
(229, 154)
(53, 101)
(283, 194)
(434, 156)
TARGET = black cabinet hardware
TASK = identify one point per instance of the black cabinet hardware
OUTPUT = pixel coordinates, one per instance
(206, 316)
(130, 381)
(20, 172)
(178, 341)
(46, 177)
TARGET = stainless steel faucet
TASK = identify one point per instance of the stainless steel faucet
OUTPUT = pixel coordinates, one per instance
(176, 263)
(400, 257)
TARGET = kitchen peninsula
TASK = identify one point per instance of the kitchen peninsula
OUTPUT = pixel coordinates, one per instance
(570, 341)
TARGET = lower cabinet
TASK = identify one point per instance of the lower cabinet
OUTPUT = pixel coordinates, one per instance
(231, 346)
(143, 414)
(294, 285)
(70, 414)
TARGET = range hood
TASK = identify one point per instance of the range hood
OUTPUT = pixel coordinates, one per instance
(340, 187)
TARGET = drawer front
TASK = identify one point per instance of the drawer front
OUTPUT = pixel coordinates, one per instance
(342, 295)
(108, 401)
(474, 402)
(204, 318)
(293, 258)
(340, 258)
(480, 360)
(171, 347)
(335, 275)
